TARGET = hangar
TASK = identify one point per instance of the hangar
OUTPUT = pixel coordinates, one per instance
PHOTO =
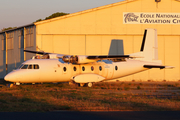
(101, 30)
(12, 44)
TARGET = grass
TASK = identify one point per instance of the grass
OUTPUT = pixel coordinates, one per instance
(138, 87)
(102, 97)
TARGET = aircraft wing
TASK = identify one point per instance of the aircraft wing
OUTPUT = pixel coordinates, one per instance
(108, 57)
(36, 52)
(44, 53)
(158, 66)
(80, 59)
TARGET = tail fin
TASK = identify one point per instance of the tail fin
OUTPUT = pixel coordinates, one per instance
(149, 47)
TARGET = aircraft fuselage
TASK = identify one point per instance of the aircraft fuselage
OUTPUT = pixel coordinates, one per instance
(52, 70)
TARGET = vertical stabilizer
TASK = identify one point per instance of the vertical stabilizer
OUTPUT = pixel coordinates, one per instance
(149, 46)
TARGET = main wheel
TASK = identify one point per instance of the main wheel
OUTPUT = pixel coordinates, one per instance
(90, 84)
(82, 84)
(71, 83)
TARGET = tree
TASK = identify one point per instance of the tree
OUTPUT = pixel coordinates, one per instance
(56, 15)
(38, 20)
(9, 28)
(53, 16)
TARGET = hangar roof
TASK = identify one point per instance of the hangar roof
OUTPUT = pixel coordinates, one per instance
(85, 11)
(32, 24)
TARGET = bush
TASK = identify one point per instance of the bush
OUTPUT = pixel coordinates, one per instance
(138, 87)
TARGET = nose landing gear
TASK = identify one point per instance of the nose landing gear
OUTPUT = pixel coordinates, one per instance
(10, 85)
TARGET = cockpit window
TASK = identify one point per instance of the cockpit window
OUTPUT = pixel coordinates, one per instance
(20, 66)
(36, 66)
(25, 67)
(30, 67)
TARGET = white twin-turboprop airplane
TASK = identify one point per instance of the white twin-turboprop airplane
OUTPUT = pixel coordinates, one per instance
(86, 70)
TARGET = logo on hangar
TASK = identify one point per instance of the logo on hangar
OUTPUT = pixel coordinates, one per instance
(130, 17)
(151, 18)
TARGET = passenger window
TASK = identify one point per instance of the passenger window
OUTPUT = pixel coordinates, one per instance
(92, 68)
(64, 69)
(83, 68)
(36, 66)
(30, 67)
(74, 68)
(100, 68)
(25, 67)
(116, 68)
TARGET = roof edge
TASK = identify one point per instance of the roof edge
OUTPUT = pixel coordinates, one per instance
(85, 11)
(32, 24)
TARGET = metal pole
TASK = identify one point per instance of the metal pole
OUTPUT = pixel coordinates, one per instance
(6, 42)
(24, 43)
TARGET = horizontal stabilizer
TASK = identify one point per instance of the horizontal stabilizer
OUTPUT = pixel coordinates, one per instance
(158, 66)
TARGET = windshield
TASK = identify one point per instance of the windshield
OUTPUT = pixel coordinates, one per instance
(24, 67)
(29, 66)
(20, 66)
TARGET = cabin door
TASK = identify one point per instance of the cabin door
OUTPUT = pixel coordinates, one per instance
(110, 71)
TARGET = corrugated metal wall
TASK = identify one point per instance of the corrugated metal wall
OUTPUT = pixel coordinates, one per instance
(2, 55)
(12, 44)
(15, 55)
(30, 41)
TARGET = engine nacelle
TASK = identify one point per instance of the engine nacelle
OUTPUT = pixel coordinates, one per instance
(77, 59)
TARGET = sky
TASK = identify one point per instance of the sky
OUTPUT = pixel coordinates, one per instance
(15, 13)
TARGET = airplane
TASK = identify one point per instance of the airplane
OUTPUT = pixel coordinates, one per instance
(85, 70)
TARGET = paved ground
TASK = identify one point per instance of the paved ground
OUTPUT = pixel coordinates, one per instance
(70, 115)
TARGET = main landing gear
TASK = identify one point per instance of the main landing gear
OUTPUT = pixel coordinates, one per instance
(90, 84)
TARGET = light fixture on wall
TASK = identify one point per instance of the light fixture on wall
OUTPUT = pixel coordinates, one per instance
(157, 0)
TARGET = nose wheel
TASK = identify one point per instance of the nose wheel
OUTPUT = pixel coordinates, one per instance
(10, 85)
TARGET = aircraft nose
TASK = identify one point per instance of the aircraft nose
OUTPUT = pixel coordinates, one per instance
(10, 77)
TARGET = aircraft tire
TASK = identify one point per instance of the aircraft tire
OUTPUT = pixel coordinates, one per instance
(71, 83)
(10, 85)
(82, 84)
(90, 84)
